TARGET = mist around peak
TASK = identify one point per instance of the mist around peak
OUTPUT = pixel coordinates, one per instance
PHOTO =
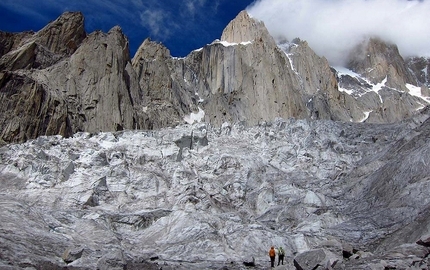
(333, 27)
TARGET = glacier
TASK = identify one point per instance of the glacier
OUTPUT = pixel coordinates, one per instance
(204, 197)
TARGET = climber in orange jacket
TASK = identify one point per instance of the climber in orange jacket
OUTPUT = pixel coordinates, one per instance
(272, 255)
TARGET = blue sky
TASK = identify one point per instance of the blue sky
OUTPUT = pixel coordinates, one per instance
(181, 25)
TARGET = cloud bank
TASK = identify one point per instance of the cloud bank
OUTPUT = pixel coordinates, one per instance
(333, 27)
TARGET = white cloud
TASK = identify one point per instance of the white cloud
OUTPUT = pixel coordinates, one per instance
(156, 21)
(333, 27)
(193, 6)
(163, 21)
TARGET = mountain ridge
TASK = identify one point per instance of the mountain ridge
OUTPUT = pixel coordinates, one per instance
(244, 77)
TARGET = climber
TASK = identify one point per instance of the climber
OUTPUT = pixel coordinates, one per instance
(281, 254)
(272, 255)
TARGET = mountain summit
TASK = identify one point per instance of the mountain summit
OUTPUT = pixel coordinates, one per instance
(89, 82)
(245, 29)
(376, 60)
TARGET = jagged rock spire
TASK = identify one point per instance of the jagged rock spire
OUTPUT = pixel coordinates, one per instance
(247, 77)
(55, 41)
(244, 28)
(376, 60)
(63, 35)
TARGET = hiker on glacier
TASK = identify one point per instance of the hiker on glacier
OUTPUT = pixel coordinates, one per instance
(281, 254)
(272, 255)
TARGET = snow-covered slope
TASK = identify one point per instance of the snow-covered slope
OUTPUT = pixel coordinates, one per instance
(368, 86)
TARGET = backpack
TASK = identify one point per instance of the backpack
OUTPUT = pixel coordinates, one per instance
(272, 253)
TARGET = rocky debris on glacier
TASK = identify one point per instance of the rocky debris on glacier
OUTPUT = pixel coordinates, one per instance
(205, 197)
(61, 80)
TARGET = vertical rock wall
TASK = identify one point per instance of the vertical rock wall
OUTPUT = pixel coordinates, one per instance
(244, 77)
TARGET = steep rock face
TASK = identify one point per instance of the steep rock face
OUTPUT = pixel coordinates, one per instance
(377, 60)
(248, 78)
(318, 82)
(243, 28)
(58, 39)
(98, 83)
(153, 62)
(165, 104)
(385, 88)
(246, 82)
(58, 81)
(64, 35)
(29, 109)
(243, 81)
(377, 103)
(420, 67)
(244, 77)
(11, 41)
